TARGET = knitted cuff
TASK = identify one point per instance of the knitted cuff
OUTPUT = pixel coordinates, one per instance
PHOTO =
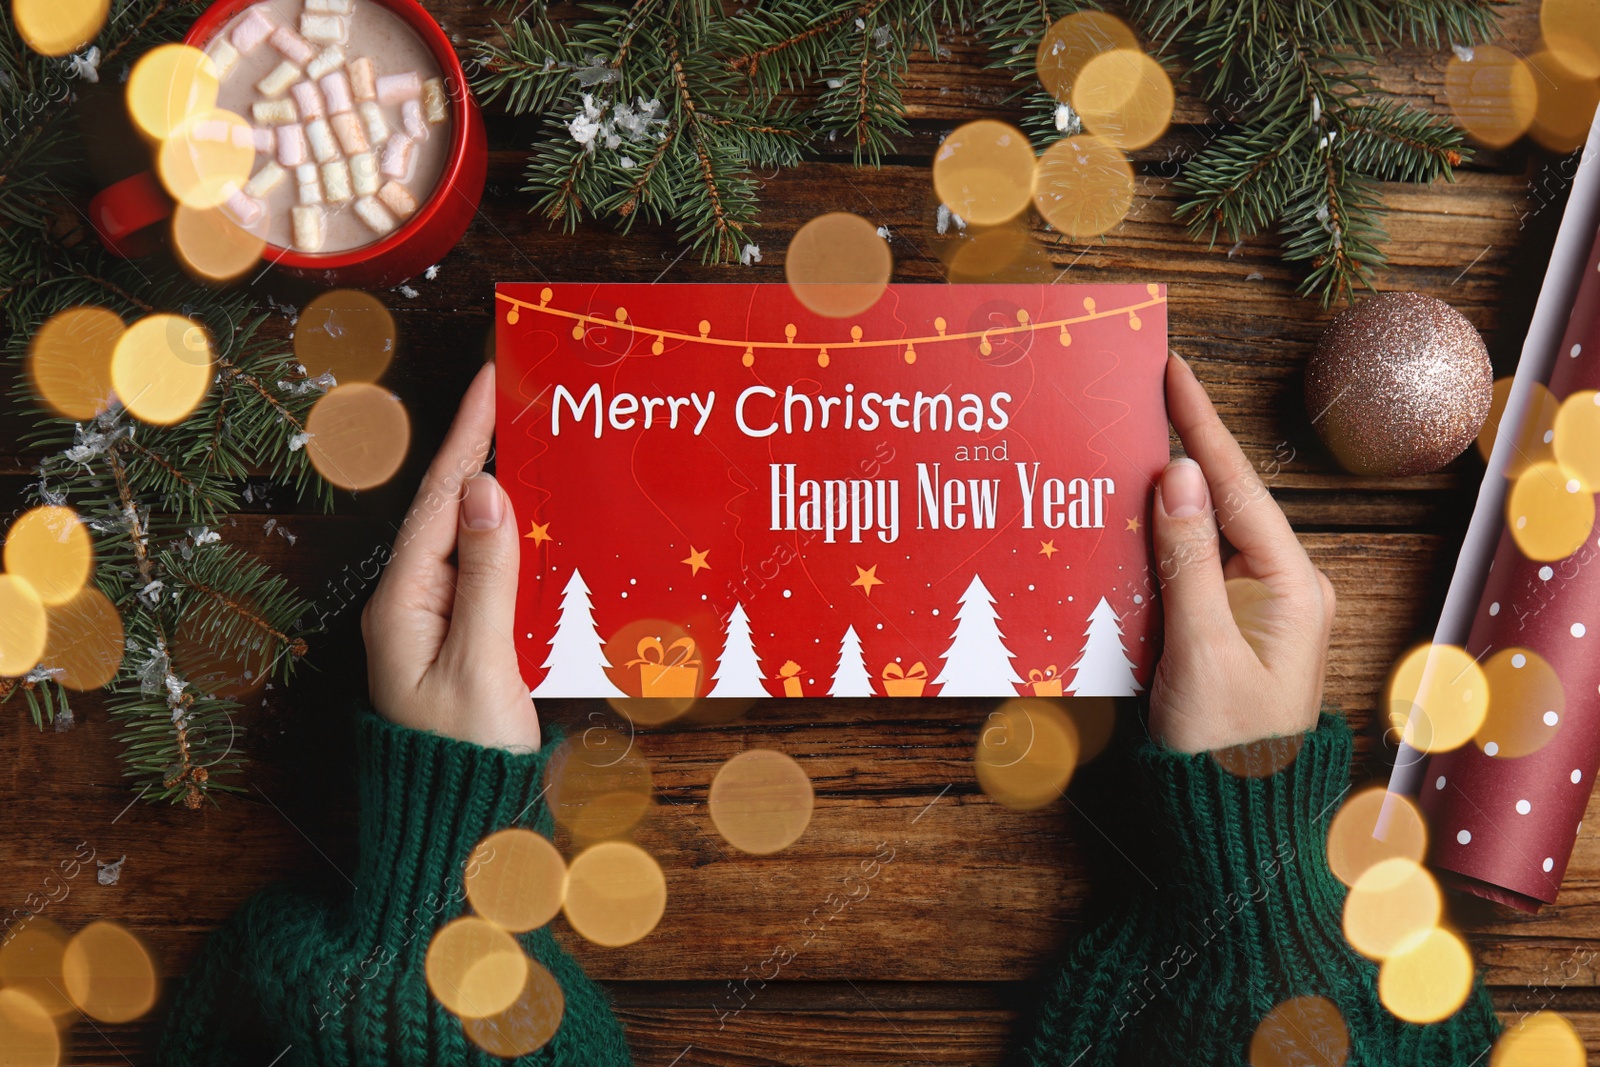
(426, 802)
(1240, 840)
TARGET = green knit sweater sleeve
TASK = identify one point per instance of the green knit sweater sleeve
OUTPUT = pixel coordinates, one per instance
(338, 980)
(1239, 914)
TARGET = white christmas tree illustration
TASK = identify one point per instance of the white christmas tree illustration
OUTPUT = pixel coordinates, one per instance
(1103, 668)
(577, 661)
(977, 664)
(738, 669)
(851, 678)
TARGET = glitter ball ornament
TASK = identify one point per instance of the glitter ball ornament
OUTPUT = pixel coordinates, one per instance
(1400, 384)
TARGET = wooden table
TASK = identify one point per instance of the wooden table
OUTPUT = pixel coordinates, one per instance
(932, 967)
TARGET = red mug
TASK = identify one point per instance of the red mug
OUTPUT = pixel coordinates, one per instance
(120, 211)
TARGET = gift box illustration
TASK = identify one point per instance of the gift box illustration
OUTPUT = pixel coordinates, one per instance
(790, 673)
(667, 670)
(1045, 683)
(904, 681)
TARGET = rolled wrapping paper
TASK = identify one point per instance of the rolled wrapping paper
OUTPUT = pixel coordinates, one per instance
(1504, 824)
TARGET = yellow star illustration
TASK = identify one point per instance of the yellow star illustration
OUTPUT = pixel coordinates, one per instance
(540, 532)
(1133, 524)
(868, 578)
(1048, 549)
(696, 561)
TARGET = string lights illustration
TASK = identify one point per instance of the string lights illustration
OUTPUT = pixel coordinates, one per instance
(1024, 324)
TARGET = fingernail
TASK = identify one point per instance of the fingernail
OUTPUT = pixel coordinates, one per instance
(1183, 488)
(481, 505)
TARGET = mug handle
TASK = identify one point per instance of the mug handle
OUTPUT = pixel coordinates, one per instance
(123, 212)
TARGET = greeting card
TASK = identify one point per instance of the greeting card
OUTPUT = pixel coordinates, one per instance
(722, 494)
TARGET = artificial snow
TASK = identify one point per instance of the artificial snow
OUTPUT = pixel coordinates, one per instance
(109, 873)
(749, 254)
(85, 65)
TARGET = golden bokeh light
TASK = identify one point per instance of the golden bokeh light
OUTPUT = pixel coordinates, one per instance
(24, 627)
(1566, 106)
(474, 968)
(983, 172)
(1095, 720)
(31, 962)
(837, 265)
(1527, 704)
(359, 435)
(161, 368)
(616, 893)
(1572, 31)
(58, 27)
(108, 973)
(69, 361)
(1542, 1039)
(528, 1024)
(207, 159)
(1372, 826)
(1437, 697)
(49, 546)
(1305, 1031)
(170, 83)
(1027, 751)
(1261, 758)
(28, 1036)
(1550, 511)
(1254, 610)
(1125, 97)
(1492, 95)
(1534, 437)
(761, 801)
(1392, 902)
(84, 640)
(597, 784)
(1575, 436)
(998, 255)
(1428, 980)
(346, 333)
(213, 245)
(1084, 186)
(516, 879)
(1074, 40)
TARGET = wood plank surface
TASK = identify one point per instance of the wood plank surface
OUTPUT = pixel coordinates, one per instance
(933, 967)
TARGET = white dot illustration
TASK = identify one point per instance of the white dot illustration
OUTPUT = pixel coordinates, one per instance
(1523, 807)
(1577, 350)
(1545, 574)
(1551, 718)
(1491, 748)
(1465, 837)
(787, 594)
(633, 581)
(1549, 864)
(1138, 598)
(936, 611)
(1579, 629)
(1494, 609)
(624, 594)
(1577, 776)
(1438, 783)
(1519, 660)
(1549, 435)
(1574, 486)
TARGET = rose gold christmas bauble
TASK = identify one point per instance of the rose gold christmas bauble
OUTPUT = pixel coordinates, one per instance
(1399, 384)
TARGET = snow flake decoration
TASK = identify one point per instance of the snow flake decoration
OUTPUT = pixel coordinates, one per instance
(431, 273)
(577, 663)
(85, 65)
(407, 292)
(592, 125)
(1067, 120)
(322, 383)
(109, 873)
(299, 440)
(151, 593)
(750, 253)
(944, 217)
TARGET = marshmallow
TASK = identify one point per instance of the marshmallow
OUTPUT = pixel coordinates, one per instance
(305, 173)
(375, 215)
(362, 79)
(254, 28)
(398, 199)
(263, 139)
(291, 145)
(364, 173)
(377, 125)
(266, 179)
(336, 180)
(396, 159)
(393, 88)
(310, 192)
(273, 112)
(434, 103)
(411, 116)
(323, 29)
(277, 83)
(336, 90)
(309, 100)
(323, 146)
(292, 46)
(329, 59)
(347, 128)
(243, 209)
(223, 56)
(330, 7)
(307, 227)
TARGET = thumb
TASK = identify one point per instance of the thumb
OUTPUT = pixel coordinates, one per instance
(487, 558)
(1188, 560)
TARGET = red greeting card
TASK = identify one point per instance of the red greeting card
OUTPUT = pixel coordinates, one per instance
(723, 494)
